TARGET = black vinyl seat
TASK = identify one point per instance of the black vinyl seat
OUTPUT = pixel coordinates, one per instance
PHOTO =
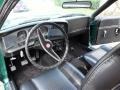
(48, 81)
(94, 56)
(105, 75)
(65, 78)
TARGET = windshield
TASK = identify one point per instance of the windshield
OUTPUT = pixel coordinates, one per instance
(31, 10)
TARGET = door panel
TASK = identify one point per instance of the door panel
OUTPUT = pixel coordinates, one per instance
(105, 30)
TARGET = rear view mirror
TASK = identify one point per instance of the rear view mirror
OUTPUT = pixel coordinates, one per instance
(77, 4)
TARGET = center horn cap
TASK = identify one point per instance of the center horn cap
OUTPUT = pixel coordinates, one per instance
(48, 45)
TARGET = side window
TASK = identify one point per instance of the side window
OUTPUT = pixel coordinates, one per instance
(113, 10)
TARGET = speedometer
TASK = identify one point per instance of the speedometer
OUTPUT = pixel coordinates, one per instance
(21, 35)
(44, 30)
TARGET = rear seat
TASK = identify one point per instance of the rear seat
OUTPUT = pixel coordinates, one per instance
(94, 56)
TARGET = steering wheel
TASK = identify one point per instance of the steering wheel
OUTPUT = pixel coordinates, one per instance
(46, 45)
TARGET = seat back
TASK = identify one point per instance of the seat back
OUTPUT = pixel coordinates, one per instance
(105, 75)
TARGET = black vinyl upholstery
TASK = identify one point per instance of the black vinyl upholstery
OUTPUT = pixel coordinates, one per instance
(94, 56)
(105, 75)
(56, 79)
(73, 74)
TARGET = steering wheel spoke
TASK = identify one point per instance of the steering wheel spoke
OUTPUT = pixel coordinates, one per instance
(53, 54)
(41, 37)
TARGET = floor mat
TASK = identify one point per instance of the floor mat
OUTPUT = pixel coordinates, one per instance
(76, 49)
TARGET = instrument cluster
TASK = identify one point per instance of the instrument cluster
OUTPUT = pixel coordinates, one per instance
(16, 40)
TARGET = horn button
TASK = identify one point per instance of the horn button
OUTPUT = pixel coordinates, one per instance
(48, 44)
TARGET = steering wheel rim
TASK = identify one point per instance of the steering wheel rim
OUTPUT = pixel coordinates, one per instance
(39, 36)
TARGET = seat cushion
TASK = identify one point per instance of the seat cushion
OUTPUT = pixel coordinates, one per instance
(50, 80)
(94, 56)
(54, 79)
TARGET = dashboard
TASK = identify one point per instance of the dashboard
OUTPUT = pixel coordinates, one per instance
(13, 39)
(16, 41)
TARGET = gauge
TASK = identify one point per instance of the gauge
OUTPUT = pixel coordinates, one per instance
(44, 30)
(21, 35)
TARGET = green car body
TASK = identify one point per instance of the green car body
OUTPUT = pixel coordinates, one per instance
(3, 71)
(1, 2)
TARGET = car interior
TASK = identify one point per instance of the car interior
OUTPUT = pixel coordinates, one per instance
(55, 54)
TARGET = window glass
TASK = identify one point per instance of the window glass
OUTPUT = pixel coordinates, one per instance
(113, 10)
